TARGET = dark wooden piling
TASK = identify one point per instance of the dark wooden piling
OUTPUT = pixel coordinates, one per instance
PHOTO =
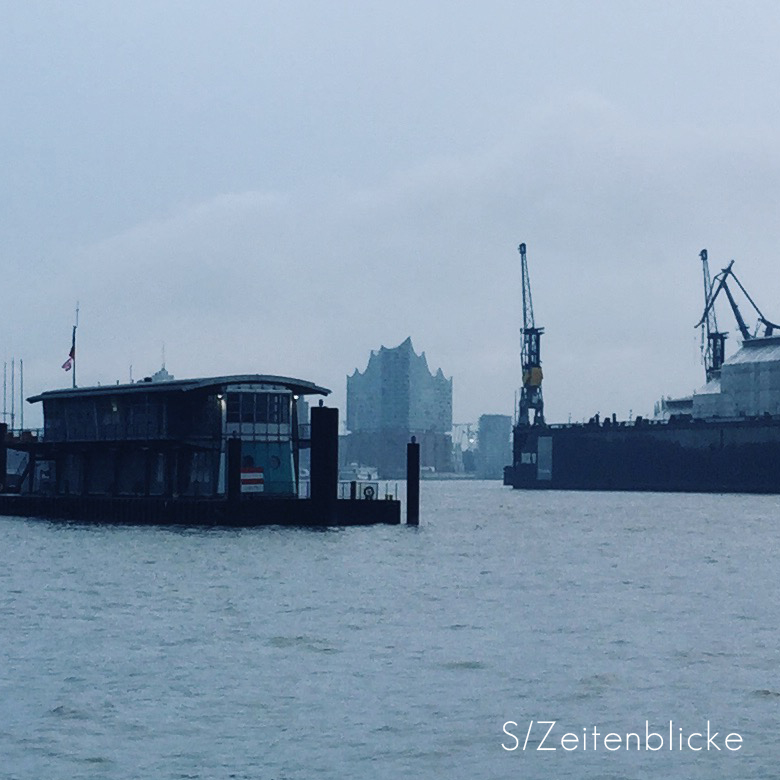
(3, 456)
(413, 482)
(325, 460)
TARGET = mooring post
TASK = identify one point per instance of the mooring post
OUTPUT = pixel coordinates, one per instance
(3, 456)
(325, 460)
(413, 482)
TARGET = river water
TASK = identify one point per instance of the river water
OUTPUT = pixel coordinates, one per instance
(389, 652)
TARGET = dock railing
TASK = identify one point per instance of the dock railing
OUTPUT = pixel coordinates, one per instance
(362, 490)
(23, 435)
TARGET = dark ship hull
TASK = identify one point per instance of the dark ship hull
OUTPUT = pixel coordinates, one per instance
(741, 456)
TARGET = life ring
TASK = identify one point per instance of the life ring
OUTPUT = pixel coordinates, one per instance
(368, 492)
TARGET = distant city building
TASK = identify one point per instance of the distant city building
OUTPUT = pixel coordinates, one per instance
(162, 375)
(494, 450)
(397, 397)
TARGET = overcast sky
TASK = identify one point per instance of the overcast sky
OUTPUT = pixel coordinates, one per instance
(280, 187)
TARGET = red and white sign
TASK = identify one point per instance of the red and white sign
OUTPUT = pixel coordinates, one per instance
(252, 480)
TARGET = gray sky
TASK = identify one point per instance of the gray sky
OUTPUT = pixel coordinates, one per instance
(281, 187)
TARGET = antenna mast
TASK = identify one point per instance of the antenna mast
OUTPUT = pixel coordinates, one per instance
(530, 357)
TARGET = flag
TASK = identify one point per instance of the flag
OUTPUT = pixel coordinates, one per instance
(68, 364)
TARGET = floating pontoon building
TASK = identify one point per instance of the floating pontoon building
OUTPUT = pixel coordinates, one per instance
(218, 450)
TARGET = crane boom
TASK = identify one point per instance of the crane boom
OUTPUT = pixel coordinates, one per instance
(743, 328)
(722, 280)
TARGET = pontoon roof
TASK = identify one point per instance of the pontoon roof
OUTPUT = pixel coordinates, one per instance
(297, 386)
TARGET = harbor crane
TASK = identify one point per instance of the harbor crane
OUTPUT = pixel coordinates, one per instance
(722, 284)
(713, 341)
(530, 358)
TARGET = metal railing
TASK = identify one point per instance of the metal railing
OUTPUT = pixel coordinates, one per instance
(23, 435)
(362, 491)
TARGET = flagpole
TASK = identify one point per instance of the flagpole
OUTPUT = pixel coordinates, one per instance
(73, 345)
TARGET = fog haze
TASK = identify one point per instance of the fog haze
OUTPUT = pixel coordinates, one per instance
(282, 187)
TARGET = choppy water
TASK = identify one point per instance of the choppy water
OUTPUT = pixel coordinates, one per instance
(395, 652)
